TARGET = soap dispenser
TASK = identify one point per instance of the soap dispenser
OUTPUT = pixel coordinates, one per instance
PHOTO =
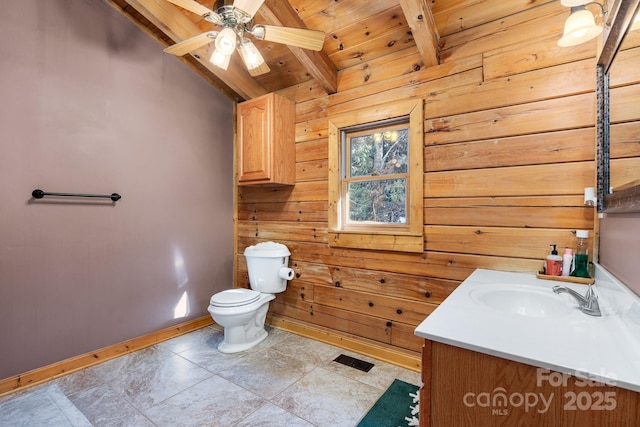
(581, 260)
(553, 263)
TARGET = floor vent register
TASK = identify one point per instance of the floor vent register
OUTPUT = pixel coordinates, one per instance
(354, 363)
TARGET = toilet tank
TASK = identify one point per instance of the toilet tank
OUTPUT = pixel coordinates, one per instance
(268, 267)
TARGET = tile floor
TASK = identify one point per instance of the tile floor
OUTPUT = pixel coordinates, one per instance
(287, 380)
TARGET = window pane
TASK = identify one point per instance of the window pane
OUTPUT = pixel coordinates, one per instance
(381, 201)
(379, 153)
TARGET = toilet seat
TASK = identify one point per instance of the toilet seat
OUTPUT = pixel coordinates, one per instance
(234, 297)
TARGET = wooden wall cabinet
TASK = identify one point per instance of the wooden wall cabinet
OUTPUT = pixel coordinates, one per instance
(466, 388)
(266, 141)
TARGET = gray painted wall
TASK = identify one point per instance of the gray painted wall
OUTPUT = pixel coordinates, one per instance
(91, 104)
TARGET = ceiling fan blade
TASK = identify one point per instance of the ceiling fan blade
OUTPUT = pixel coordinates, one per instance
(198, 9)
(191, 44)
(250, 7)
(262, 69)
(299, 37)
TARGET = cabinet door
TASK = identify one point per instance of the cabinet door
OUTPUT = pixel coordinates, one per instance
(254, 147)
(468, 388)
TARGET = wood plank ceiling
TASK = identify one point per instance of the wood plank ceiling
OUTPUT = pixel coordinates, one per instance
(356, 32)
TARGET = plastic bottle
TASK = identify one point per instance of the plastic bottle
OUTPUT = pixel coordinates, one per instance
(553, 263)
(581, 260)
(567, 260)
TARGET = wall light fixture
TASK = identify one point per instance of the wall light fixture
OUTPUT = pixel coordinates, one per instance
(635, 25)
(581, 25)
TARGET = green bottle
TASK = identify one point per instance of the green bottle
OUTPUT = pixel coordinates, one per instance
(581, 260)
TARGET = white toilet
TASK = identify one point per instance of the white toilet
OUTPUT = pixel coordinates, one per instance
(242, 312)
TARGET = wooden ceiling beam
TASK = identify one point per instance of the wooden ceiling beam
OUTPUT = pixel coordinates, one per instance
(178, 27)
(318, 64)
(423, 27)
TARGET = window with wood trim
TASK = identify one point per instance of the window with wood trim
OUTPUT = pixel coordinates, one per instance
(375, 178)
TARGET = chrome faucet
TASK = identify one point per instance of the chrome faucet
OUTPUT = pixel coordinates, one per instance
(588, 304)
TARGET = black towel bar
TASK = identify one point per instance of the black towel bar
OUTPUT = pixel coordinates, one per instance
(39, 194)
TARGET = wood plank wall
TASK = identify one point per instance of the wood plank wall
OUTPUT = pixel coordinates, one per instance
(508, 149)
(625, 112)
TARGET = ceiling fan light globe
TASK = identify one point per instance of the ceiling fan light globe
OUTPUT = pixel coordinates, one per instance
(251, 55)
(220, 59)
(226, 41)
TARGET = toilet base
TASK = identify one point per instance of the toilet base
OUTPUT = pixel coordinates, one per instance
(225, 347)
(243, 325)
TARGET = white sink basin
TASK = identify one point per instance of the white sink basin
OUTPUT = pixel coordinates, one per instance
(523, 300)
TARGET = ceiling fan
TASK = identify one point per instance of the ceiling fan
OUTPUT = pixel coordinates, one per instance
(236, 20)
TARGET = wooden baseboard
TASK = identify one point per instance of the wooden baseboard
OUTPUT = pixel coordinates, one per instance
(37, 376)
(393, 355)
(73, 364)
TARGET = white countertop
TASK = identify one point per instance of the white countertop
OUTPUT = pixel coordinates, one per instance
(605, 349)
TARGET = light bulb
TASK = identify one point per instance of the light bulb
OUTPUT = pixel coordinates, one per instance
(226, 41)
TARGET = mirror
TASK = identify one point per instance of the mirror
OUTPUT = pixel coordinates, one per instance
(618, 100)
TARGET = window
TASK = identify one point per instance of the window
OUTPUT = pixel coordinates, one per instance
(375, 178)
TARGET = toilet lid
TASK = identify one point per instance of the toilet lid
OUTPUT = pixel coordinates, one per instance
(234, 297)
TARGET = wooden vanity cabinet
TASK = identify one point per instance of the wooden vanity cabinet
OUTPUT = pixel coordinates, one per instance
(266, 141)
(466, 388)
